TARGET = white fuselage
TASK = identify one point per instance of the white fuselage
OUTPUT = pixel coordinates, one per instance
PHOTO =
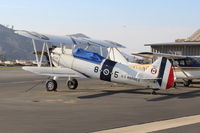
(107, 70)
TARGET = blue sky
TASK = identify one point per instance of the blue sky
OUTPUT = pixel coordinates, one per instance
(130, 22)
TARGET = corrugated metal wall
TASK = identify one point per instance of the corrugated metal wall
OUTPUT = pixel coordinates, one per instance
(193, 50)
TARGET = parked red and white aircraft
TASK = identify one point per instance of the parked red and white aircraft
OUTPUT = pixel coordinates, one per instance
(24, 63)
(2, 63)
(9, 63)
(80, 63)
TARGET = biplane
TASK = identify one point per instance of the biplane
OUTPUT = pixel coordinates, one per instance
(76, 62)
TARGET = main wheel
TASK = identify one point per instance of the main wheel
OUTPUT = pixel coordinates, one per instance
(72, 84)
(51, 85)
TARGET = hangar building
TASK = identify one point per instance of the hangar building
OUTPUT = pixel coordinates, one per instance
(189, 46)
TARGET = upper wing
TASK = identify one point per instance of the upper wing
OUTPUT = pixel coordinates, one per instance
(55, 72)
(70, 39)
(103, 43)
(151, 55)
(45, 37)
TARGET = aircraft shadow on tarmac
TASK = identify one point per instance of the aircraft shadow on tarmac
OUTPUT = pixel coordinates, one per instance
(112, 92)
(163, 96)
(190, 94)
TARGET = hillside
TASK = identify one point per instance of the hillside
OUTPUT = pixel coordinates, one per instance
(13, 46)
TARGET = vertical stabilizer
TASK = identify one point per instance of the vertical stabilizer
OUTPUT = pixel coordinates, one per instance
(163, 71)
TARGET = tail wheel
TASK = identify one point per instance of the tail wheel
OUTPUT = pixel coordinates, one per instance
(72, 84)
(153, 92)
(51, 85)
(187, 83)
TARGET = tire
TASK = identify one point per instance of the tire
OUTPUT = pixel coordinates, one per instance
(51, 85)
(72, 84)
(153, 92)
(187, 83)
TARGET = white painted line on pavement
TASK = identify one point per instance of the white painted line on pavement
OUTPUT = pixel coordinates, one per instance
(155, 126)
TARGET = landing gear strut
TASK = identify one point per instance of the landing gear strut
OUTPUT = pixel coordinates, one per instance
(51, 85)
(72, 84)
(174, 85)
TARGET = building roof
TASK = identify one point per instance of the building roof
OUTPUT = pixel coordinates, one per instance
(173, 43)
(194, 39)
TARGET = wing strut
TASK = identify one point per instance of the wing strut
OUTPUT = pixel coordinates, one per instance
(101, 50)
(50, 59)
(39, 60)
(41, 57)
(178, 66)
(36, 56)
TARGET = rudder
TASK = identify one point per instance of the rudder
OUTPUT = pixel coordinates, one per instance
(163, 71)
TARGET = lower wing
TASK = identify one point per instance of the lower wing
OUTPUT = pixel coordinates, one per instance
(55, 72)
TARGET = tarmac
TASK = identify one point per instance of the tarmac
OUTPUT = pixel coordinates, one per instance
(96, 106)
